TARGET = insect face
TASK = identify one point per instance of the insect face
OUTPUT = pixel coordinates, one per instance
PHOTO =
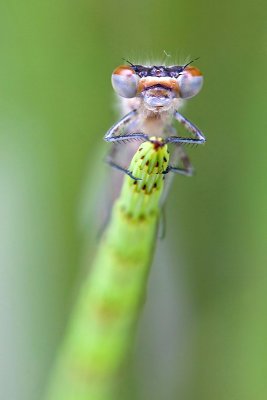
(158, 86)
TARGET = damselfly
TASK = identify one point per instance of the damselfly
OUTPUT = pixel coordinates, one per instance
(150, 97)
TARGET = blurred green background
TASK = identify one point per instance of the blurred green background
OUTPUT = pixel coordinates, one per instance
(203, 332)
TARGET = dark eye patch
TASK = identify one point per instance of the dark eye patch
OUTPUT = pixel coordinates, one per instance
(158, 71)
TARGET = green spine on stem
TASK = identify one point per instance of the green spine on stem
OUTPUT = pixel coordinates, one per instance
(102, 326)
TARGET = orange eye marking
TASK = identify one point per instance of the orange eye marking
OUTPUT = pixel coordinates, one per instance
(193, 71)
(168, 83)
(124, 70)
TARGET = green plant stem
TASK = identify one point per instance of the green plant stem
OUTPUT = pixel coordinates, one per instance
(101, 329)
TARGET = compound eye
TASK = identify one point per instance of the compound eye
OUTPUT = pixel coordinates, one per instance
(124, 81)
(190, 82)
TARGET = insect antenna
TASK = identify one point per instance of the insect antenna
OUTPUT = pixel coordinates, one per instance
(190, 62)
(129, 62)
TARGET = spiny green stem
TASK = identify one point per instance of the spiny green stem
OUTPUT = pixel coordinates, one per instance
(101, 329)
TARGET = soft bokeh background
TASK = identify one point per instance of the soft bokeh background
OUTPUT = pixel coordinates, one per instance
(204, 328)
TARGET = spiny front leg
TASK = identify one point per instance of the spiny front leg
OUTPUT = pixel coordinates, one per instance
(113, 164)
(178, 170)
(180, 155)
(190, 127)
(114, 134)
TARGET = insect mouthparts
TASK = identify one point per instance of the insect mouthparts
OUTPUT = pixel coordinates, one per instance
(158, 86)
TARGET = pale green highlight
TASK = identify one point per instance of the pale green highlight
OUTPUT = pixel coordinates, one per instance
(101, 330)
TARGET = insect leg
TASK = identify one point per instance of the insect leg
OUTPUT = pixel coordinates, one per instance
(114, 134)
(113, 164)
(178, 170)
(180, 154)
(199, 138)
